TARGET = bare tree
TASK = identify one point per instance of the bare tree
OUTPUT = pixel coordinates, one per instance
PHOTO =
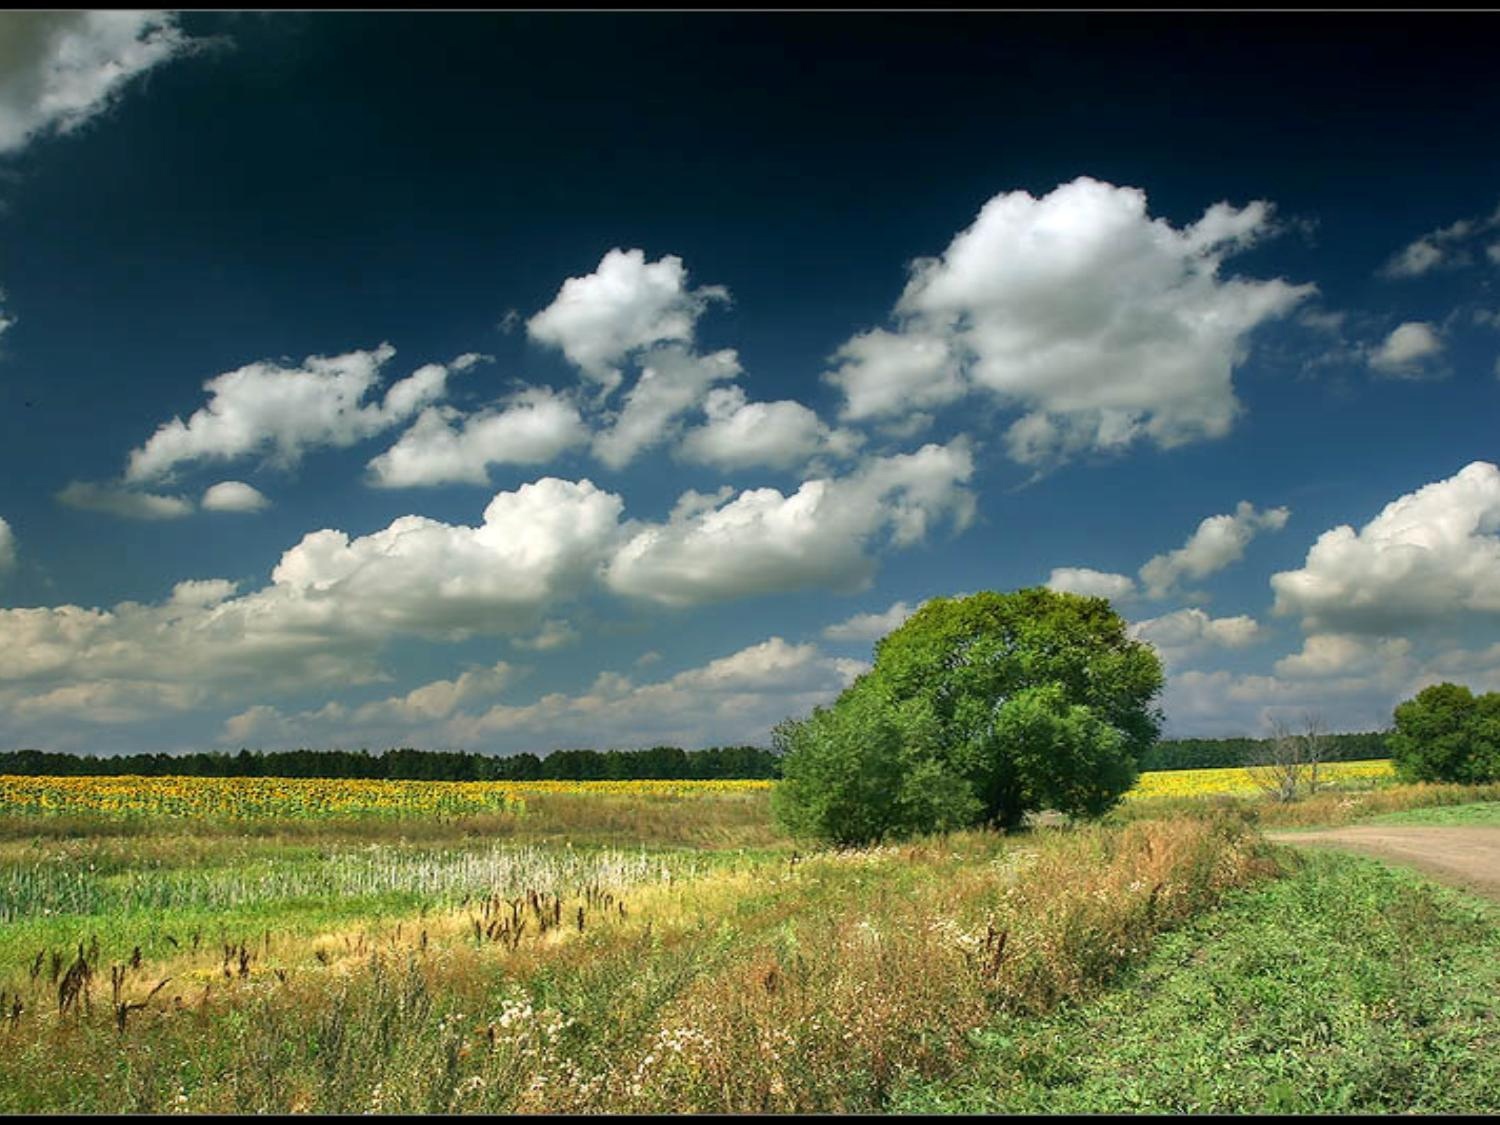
(1288, 765)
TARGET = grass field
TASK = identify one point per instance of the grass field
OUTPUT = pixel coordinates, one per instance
(181, 945)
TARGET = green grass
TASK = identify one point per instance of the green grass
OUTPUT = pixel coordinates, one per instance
(1345, 987)
(1478, 815)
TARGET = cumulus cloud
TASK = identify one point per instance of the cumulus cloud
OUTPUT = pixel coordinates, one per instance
(126, 503)
(885, 373)
(1104, 326)
(423, 576)
(1447, 247)
(59, 69)
(332, 603)
(1091, 583)
(233, 496)
(870, 626)
(1407, 351)
(7, 546)
(444, 446)
(283, 412)
(740, 434)
(1343, 654)
(1189, 631)
(1429, 556)
(1218, 541)
(673, 380)
(762, 541)
(625, 305)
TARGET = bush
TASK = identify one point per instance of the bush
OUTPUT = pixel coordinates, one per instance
(1446, 733)
(976, 711)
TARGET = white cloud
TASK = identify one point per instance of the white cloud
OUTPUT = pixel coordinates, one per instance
(554, 634)
(1342, 654)
(887, 373)
(1444, 248)
(283, 412)
(1218, 541)
(625, 305)
(332, 602)
(1105, 326)
(764, 542)
(672, 381)
(443, 446)
(233, 496)
(870, 626)
(419, 575)
(1189, 631)
(1431, 555)
(7, 546)
(737, 698)
(781, 435)
(1091, 583)
(1406, 350)
(127, 503)
(58, 69)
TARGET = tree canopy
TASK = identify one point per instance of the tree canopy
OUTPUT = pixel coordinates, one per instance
(976, 711)
(1447, 733)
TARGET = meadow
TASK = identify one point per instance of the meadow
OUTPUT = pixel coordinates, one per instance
(255, 945)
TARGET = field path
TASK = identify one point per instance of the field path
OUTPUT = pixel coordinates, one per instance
(1464, 856)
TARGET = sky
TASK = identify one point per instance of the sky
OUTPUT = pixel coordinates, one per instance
(511, 382)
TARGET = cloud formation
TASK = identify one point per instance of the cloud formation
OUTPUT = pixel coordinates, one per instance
(672, 381)
(870, 626)
(625, 305)
(1104, 326)
(1091, 583)
(59, 69)
(233, 496)
(1444, 248)
(761, 541)
(1428, 557)
(280, 412)
(1218, 542)
(444, 446)
(1408, 351)
(740, 434)
(126, 503)
(736, 698)
(1187, 632)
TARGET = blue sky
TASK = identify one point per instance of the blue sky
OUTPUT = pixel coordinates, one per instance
(513, 382)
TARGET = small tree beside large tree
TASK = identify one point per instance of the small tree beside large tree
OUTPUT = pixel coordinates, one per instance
(977, 710)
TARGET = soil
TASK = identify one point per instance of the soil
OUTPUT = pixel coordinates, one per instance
(1467, 857)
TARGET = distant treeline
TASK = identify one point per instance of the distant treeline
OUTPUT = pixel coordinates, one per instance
(1207, 753)
(659, 762)
(667, 763)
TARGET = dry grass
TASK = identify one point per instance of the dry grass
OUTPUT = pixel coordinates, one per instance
(810, 984)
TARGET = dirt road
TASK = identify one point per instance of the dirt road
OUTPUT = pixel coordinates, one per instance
(1467, 857)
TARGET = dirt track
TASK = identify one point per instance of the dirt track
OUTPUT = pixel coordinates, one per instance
(1463, 856)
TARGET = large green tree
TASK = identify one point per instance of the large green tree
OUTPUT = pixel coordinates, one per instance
(1447, 733)
(977, 710)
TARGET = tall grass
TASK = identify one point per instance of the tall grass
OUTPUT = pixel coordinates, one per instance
(779, 984)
